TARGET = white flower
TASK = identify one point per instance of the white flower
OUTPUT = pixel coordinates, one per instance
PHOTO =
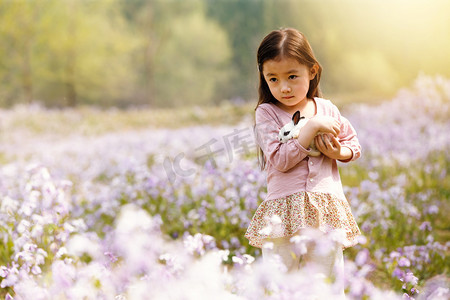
(23, 226)
(237, 260)
(62, 251)
(80, 244)
(224, 254)
(268, 245)
(248, 258)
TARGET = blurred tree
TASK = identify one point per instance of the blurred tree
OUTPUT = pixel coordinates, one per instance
(193, 61)
(183, 56)
(246, 23)
(64, 52)
(160, 52)
(87, 53)
(242, 20)
(18, 35)
(145, 17)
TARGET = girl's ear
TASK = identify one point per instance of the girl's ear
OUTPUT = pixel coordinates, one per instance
(313, 71)
(296, 117)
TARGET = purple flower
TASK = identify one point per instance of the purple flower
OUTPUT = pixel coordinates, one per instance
(198, 243)
(433, 209)
(36, 270)
(404, 262)
(399, 273)
(63, 274)
(110, 172)
(111, 256)
(410, 278)
(4, 271)
(235, 242)
(394, 254)
(10, 280)
(425, 226)
(362, 257)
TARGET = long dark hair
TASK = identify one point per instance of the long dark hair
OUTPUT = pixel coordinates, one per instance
(285, 43)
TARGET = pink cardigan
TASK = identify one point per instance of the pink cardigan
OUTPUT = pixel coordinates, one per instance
(289, 168)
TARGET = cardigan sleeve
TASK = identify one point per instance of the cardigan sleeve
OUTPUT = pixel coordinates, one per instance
(348, 138)
(282, 156)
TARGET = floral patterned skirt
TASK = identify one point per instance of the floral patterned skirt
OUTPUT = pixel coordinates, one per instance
(302, 210)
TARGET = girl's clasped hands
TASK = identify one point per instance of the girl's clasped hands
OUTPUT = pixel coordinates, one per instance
(326, 141)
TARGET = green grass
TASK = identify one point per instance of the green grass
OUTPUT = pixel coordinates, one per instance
(91, 121)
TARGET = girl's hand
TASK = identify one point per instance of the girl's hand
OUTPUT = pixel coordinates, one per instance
(326, 124)
(330, 146)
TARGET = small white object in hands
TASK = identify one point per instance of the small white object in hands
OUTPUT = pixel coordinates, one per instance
(292, 129)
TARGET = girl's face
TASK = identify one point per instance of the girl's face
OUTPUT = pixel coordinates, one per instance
(288, 80)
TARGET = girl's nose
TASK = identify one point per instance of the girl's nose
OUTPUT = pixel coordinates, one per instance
(285, 88)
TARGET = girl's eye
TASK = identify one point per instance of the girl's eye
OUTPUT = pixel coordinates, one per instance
(273, 80)
(292, 76)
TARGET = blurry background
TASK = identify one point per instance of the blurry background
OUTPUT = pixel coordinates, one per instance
(166, 53)
(109, 106)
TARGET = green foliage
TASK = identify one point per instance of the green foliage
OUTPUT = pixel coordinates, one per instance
(92, 122)
(384, 196)
(241, 19)
(70, 52)
(169, 53)
(192, 61)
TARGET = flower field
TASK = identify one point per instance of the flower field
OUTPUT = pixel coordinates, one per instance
(89, 212)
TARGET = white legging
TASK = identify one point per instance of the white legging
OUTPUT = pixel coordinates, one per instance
(330, 264)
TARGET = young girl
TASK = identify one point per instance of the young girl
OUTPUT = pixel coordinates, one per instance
(303, 192)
